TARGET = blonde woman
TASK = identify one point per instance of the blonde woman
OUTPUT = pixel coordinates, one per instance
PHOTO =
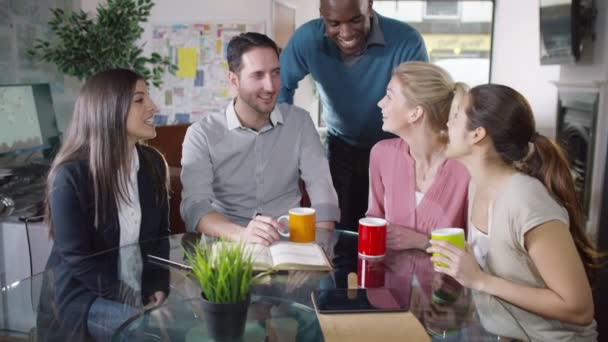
(412, 184)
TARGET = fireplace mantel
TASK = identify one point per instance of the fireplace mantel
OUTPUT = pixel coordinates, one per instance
(598, 186)
(580, 86)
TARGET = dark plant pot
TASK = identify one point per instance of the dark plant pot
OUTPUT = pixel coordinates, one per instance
(225, 322)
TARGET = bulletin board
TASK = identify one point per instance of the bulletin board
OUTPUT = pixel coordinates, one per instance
(200, 85)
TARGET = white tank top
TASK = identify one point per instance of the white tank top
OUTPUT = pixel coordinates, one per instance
(480, 243)
(419, 196)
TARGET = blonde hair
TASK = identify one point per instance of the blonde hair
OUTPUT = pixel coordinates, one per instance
(431, 87)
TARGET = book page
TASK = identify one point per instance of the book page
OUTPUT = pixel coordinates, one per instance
(298, 254)
(259, 253)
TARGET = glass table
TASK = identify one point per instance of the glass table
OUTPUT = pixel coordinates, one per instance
(281, 307)
(33, 310)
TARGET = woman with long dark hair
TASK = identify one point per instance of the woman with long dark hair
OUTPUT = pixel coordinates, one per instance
(105, 190)
(529, 261)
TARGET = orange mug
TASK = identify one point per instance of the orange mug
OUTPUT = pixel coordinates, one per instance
(300, 224)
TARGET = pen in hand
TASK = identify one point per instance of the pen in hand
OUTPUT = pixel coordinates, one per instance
(261, 229)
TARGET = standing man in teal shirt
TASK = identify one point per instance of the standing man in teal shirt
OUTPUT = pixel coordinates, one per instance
(350, 52)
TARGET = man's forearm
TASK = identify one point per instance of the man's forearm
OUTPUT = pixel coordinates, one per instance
(216, 224)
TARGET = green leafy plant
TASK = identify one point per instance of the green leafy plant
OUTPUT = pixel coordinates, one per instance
(226, 275)
(84, 46)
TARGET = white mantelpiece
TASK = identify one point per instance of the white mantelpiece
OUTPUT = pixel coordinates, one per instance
(600, 138)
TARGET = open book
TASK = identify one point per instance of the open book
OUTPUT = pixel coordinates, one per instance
(285, 255)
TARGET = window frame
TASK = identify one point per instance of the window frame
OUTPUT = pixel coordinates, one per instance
(427, 16)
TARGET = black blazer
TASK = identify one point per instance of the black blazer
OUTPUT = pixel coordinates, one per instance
(74, 277)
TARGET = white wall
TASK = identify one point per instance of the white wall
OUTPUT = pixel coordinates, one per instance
(407, 11)
(89, 5)
(304, 97)
(184, 11)
(516, 59)
(475, 11)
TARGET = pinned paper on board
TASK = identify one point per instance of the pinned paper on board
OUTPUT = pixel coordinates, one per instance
(199, 81)
(218, 47)
(168, 98)
(186, 61)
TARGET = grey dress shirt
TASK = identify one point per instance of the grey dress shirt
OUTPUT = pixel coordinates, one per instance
(239, 172)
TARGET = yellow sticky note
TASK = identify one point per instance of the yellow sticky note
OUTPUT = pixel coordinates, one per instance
(186, 62)
(218, 47)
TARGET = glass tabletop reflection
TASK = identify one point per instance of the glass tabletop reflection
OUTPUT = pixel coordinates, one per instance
(281, 306)
(282, 310)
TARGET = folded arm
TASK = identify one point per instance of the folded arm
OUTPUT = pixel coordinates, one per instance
(400, 238)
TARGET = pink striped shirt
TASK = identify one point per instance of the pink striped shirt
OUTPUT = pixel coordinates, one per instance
(392, 194)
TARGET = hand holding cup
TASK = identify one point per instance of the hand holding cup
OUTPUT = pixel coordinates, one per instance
(456, 261)
(454, 236)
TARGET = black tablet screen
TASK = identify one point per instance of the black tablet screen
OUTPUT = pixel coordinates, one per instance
(357, 300)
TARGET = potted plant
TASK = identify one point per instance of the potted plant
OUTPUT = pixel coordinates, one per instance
(83, 46)
(225, 274)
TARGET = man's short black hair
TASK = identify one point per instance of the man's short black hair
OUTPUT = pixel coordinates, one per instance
(244, 42)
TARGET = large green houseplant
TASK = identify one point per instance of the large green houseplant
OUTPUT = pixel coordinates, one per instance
(82, 46)
(225, 274)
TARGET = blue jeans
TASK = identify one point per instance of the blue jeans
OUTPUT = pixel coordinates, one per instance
(105, 316)
(349, 167)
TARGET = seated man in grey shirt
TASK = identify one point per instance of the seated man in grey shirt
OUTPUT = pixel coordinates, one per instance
(241, 168)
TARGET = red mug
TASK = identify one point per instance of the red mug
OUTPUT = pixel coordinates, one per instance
(372, 237)
(370, 273)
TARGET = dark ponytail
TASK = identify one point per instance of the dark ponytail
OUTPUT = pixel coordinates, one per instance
(549, 164)
(508, 119)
